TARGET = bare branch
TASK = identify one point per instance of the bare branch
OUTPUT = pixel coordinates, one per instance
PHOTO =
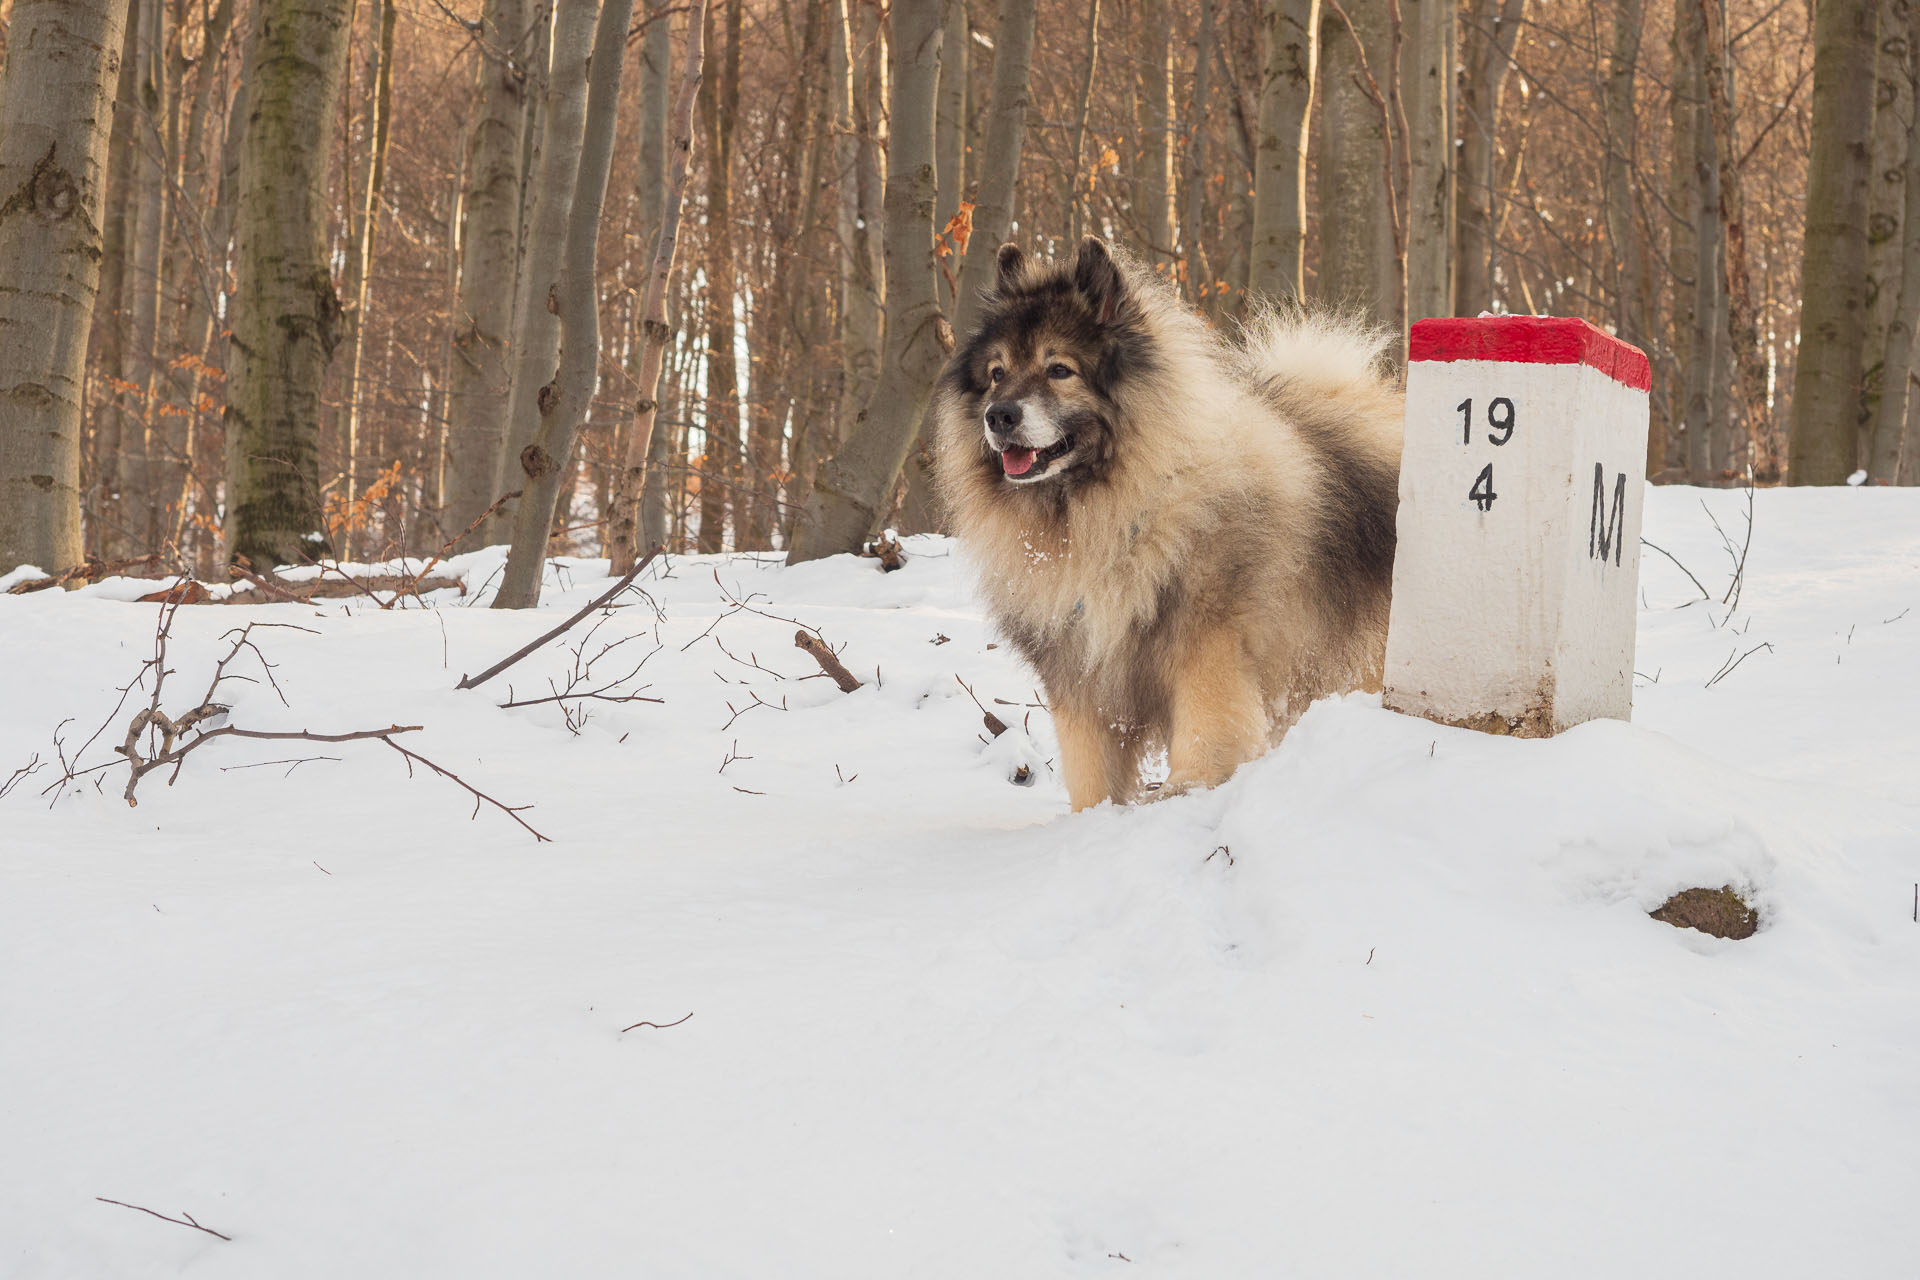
(184, 1220)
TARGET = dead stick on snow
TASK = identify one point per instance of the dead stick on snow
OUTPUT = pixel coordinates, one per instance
(470, 682)
(658, 1026)
(184, 1220)
(828, 660)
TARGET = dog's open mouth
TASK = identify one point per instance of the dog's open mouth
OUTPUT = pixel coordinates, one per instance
(1031, 464)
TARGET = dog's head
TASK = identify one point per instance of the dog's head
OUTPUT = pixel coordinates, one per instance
(1036, 385)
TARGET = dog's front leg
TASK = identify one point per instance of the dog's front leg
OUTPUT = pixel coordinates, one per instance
(1219, 717)
(1099, 761)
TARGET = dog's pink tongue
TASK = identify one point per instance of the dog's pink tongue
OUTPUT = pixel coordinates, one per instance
(1016, 462)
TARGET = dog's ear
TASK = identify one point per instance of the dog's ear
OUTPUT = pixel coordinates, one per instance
(1008, 264)
(1098, 279)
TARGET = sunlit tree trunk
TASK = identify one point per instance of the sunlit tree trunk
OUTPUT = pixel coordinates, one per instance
(1002, 147)
(854, 79)
(1886, 199)
(1080, 188)
(1486, 47)
(1290, 41)
(851, 490)
(143, 448)
(63, 60)
(565, 402)
(1826, 383)
(1357, 259)
(1427, 83)
(1893, 413)
(111, 422)
(286, 316)
(650, 192)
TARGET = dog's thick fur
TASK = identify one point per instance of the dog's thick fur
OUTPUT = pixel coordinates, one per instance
(1200, 540)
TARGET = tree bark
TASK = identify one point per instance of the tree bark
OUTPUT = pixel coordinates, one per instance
(285, 316)
(1826, 383)
(489, 254)
(720, 472)
(138, 464)
(1290, 35)
(107, 438)
(950, 127)
(1427, 74)
(1081, 189)
(1892, 413)
(1487, 50)
(364, 221)
(650, 193)
(641, 450)
(566, 401)
(852, 487)
(855, 77)
(1199, 273)
(1739, 319)
(1000, 168)
(1886, 198)
(1153, 132)
(63, 60)
(1358, 267)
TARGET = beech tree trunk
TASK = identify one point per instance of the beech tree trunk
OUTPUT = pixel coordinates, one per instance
(1826, 383)
(1290, 38)
(63, 61)
(285, 316)
(1893, 417)
(565, 402)
(1153, 132)
(143, 447)
(855, 77)
(1886, 200)
(1426, 64)
(535, 348)
(852, 488)
(1357, 260)
(1739, 352)
(1000, 169)
(720, 472)
(950, 127)
(489, 257)
(1486, 46)
(1079, 193)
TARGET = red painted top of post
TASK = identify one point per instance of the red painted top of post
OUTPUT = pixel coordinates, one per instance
(1531, 340)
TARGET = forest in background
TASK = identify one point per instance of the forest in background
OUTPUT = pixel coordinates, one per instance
(333, 277)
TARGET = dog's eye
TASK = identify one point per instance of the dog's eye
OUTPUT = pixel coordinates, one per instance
(995, 374)
(1059, 371)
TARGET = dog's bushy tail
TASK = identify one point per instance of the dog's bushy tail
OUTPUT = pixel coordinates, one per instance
(1301, 355)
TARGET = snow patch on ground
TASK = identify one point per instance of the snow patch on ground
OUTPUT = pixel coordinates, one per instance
(1386, 1004)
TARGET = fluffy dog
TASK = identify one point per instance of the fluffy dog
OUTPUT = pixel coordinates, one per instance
(1190, 539)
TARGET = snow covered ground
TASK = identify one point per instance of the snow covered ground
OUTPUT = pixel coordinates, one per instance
(1387, 1004)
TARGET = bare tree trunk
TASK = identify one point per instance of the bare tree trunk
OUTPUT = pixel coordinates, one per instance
(1622, 238)
(1487, 52)
(1697, 201)
(1357, 260)
(1886, 198)
(482, 319)
(536, 326)
(1199, 273)
(1884, 459)
(852, 487)
(63, 58)
(107, 439)
(364, 222)
(650, 194)
(1826, 383)
(622, 551)
(720, 473)
(1427, 74)
(854, 80)
(1081, 191)
(1153, 130)
(139, 463)
(1000, 170)
(1290, 34)
(566, 401)
(950, 124)
(1741, 338)
(286, 316)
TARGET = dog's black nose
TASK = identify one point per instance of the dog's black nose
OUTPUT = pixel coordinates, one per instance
(1003, 417)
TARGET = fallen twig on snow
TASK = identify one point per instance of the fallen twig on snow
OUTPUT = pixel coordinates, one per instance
(184, 1220)
(657, 1026)
(829, 661)
(605, 597)
(995, 725)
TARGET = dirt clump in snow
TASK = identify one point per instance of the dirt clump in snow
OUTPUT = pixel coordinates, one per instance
(1720, 912)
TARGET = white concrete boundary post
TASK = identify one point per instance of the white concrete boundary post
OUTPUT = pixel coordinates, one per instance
(1515, 582)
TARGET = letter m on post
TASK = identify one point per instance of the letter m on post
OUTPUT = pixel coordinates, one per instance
(1607, 532)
